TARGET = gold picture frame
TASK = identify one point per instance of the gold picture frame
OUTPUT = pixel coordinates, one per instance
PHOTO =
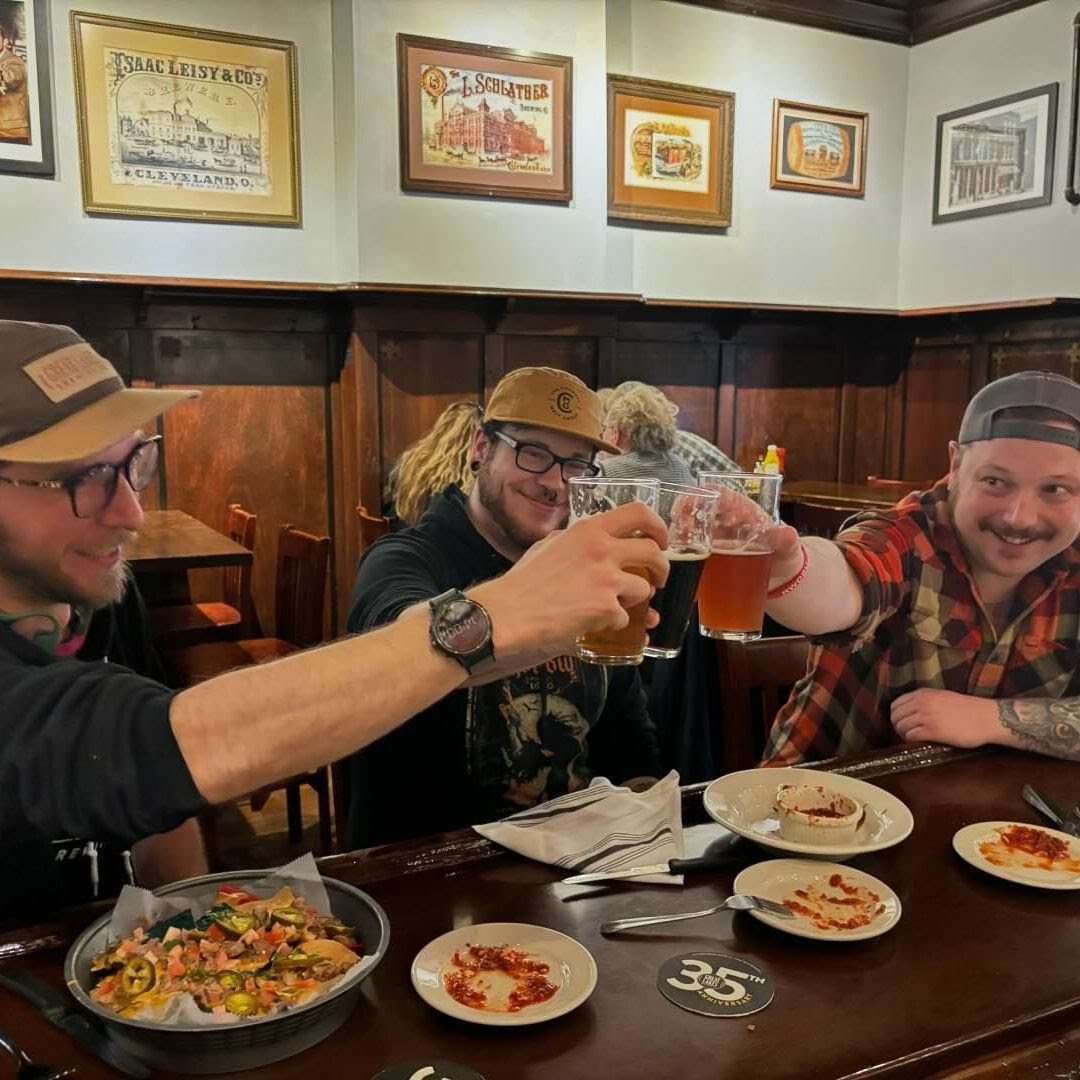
(669, 152)
(185, 123)
(818, 149)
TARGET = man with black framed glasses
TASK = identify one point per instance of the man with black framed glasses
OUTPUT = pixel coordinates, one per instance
(97, 756)
(507, 741)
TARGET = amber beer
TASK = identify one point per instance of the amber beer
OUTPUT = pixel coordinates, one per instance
(615, 647)
(675, 601)
(731, 597)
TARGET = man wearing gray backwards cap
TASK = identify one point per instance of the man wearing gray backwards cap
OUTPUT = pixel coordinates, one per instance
(96, 757)
(955, 616)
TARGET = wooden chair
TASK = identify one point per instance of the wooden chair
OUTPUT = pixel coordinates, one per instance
(756, 678)
(298, 610)
(232, 617)
(813, 518)
(371, 526)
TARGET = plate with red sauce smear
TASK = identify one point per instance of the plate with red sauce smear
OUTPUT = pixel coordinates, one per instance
(830, 902)
(1026, 854)
(504, 974)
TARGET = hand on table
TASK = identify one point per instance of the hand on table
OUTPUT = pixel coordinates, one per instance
(942, 716)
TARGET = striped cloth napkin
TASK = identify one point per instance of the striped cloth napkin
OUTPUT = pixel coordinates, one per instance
(601, 827)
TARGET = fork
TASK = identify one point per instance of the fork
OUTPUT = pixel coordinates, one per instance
(738, 902)
(27, 1069)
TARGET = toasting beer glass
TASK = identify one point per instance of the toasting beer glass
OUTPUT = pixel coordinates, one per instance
(731, 597)
(687, 512)
(590, 495)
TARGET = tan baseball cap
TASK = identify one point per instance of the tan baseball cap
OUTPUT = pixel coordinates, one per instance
(548, 398)
(60, 401)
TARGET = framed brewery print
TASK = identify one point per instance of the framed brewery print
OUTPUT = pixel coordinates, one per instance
(178, 122)
(26, 138)
(818, 149)
(995, 157)
(481, 120)
(669, 152)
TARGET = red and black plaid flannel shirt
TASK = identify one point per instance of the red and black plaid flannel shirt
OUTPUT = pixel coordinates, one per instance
(922, 626)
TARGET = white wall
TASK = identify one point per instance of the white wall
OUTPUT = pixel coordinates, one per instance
(1018, 255)
(498, 243)
(44, 224)
(784, 247)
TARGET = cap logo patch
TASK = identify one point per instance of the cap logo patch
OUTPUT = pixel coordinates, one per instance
(68, 371)
(565, 403)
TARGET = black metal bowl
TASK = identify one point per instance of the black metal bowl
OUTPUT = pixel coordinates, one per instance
(249, 1043)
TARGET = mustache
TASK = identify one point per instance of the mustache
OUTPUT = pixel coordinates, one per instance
(987, 525)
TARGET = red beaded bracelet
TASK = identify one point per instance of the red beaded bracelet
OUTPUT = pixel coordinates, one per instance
(792, 583)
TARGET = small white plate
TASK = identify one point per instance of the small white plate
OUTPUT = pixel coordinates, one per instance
(571, 968)
(744, 803)
(968, 841)
(778, 879)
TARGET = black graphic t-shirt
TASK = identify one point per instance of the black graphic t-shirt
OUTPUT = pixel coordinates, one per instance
(484, 752)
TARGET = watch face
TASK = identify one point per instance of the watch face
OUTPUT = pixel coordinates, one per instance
(461, 626)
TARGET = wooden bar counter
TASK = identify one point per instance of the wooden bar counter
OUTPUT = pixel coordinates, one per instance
(980, 978)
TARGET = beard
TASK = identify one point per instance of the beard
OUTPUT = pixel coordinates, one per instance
(46, 585)
(490, 496)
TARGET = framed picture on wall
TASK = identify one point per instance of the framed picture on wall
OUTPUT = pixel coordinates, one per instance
(818, 149)
(481, 120)
(26, 138)
(178, 122)
(669, 152)
(997, 156)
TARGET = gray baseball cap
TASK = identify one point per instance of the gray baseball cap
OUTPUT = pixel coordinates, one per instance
(60, 401)
(1025, 388)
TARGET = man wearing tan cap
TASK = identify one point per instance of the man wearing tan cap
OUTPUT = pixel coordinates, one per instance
(96, 757)
(508, 741)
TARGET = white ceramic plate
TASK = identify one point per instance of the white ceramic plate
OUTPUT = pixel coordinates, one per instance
(777, 879)
(968, 842)
(571, 968)
(743, 802)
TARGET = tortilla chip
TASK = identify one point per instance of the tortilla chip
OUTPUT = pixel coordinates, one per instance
(331, 950)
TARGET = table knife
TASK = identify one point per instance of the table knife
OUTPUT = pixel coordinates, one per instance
(56, 1008)
(1049, 810)
(675, 866)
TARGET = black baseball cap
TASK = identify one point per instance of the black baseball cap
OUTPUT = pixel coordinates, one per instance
(982, 418)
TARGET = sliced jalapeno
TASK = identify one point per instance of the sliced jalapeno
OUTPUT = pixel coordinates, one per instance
(337, 929)
(229, 980)
(249, 963)
(295, 959)
(241, 1003)
(236, 922)
(288, 916)
(286, 993)
(138, 976)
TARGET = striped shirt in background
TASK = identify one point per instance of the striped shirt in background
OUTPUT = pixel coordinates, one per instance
(701, 455)
(922, 625)
(667, 466)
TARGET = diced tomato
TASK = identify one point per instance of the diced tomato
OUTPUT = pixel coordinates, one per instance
(275, 934)
(176, 969)
(236, 895)
(215, 932)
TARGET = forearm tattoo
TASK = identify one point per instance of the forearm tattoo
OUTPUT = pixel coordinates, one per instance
(1044, 725)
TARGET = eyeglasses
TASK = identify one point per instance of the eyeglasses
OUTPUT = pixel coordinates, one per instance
(93, 489)
(538, 459)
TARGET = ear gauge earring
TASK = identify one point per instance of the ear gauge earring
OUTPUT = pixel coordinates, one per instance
(474, 465)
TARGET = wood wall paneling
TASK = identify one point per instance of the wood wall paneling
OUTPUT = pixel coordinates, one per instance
(938, 385)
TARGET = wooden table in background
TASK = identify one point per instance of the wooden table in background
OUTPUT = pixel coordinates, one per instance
(857, 496)
(977, 980)
(169, 544)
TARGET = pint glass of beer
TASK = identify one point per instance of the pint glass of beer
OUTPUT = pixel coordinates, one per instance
(731, 597)
(687, 512)
(591, 495)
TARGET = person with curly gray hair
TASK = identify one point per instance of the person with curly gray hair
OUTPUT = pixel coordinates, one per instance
(640, 421)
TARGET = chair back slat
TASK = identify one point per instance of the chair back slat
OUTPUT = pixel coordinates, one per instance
(813, 518)
(301, 586)
(372, 526)
(240, 527)
(756, 678)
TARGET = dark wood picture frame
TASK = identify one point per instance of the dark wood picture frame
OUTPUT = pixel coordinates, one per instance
(36, 156)
(1013, 151)
(507, 131)
(836, 165)
(677, 171)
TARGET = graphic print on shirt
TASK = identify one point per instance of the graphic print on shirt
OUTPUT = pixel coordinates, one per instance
(526, 737)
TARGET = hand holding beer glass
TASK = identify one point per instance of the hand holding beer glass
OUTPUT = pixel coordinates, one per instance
(688, 513)
(591, 495)
(731, 598)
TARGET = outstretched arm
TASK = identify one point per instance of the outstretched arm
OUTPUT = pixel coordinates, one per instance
(1044, 725)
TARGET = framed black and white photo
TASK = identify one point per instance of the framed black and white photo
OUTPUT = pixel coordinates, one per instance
(997, 156)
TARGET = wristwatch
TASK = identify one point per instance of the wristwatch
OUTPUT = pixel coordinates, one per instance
(461, 628)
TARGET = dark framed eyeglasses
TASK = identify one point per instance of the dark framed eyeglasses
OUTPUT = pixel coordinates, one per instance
(93, 489)
(538, 459)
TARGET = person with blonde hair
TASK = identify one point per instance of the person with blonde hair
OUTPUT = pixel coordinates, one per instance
(640, 421)
(434, 462)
